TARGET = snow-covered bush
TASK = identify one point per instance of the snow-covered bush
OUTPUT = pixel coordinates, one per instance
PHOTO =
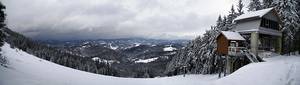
(3, 60)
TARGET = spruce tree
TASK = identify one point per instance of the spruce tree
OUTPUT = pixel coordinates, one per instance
(224, 22)
(240, 7)
(219, 22)
(2, 15)
(3, 60)
(232, 15)
(254, 5)
(268, 3)
(2, 23)
(298, 7)
(288, 13)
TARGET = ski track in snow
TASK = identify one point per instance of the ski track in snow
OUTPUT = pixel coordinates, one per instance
(26, 69)
(292, 70)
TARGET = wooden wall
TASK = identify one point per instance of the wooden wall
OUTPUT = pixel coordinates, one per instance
(222, 45)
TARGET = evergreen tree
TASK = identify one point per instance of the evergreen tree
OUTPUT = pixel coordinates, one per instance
(232, 15)
(268, 3)
(232, 11)
(254, 5)
(2, 23)
(288, 11)
(240, 7)
(220, 22)
(224, 27)
(2, 15)
(146, 74)
(3, 60)
(298, 7)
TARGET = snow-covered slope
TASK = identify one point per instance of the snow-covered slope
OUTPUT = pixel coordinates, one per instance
(169, 49)
(280, 70)
(146, 60)
(26, 69)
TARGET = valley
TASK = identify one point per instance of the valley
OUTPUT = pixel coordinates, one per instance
(131, 57)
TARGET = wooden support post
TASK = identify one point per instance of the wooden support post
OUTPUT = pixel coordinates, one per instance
(225, 66)
(254, 42)
(184, 71)
(228, 65)
(279, 44)
(221, 66)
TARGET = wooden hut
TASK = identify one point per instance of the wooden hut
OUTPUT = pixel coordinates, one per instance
(230, 43)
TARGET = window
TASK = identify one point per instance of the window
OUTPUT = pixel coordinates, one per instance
(269, 24)
(267, 42)
(233, 44)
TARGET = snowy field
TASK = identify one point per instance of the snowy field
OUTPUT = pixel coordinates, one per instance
(25, 69)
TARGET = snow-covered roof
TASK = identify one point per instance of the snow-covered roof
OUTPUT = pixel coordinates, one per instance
(248, 31)
(259, 13)
(232, 35)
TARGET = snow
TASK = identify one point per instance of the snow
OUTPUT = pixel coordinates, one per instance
(113, 47)
(169, 49)
(104, 60)
(96, 58)
(259, 13)
(26, 69)
(250, 30)
(146, 60)
(137, 44)
(85, 43)
(279, 70)
(84, 46)
(232, 35)
(171, 53)
(267, 54)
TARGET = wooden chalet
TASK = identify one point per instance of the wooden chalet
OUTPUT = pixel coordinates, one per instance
(261, 29)
(258, 31)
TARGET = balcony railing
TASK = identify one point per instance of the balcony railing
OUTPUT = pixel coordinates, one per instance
(235, 51)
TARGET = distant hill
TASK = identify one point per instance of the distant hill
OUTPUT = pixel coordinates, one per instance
(132, 57)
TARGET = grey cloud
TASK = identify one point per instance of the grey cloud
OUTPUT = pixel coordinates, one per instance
(94, 19)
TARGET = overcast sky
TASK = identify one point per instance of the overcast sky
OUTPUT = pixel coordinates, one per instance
(95, 19)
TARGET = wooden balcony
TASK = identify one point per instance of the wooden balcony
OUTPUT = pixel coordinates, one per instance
(236, 51)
